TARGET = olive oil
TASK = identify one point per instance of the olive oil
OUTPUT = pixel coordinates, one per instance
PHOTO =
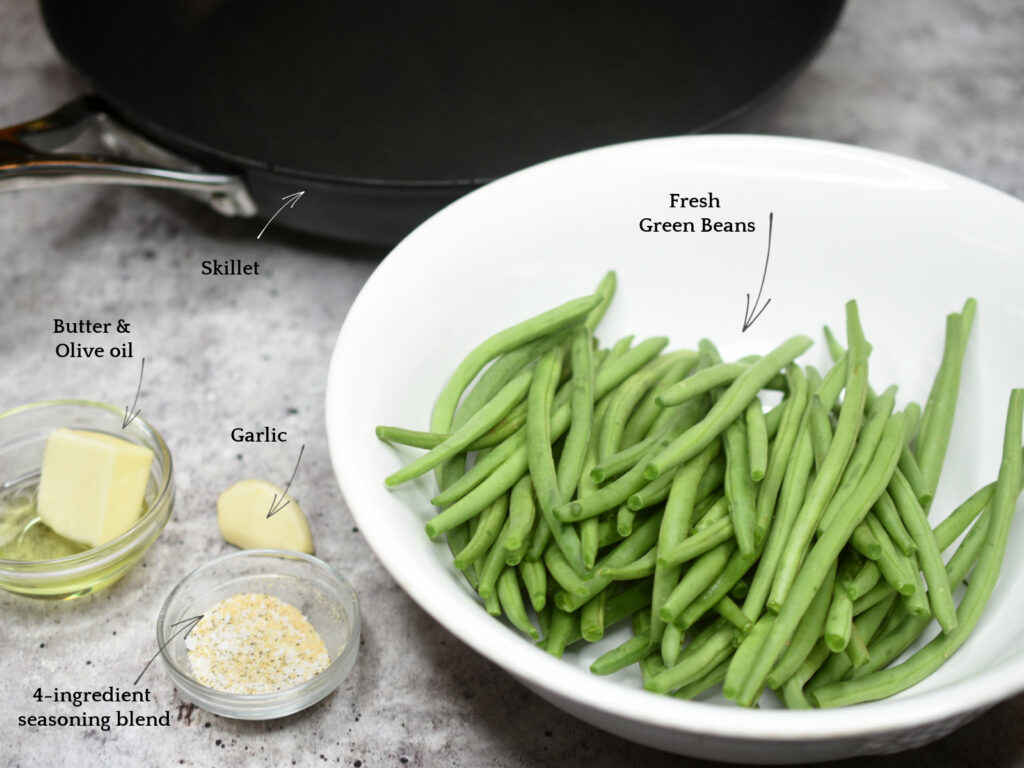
(23, 536)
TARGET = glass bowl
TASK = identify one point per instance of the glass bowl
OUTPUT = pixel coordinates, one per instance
(322, 595)
(69, 573)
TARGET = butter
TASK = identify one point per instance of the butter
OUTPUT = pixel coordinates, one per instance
(242, 518)
(92, 485)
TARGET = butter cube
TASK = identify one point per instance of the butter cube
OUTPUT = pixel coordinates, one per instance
(92, 485)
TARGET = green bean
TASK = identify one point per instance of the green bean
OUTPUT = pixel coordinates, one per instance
(913, 418)
(511, 600)
(581, 409)
(490, 526)
(810, 628)
(592, 617)
(950, 529)
(881, 591)
(494, 563)
(647, 411)
(671, 644)
(864, 581)
(745, 655)
(638, 569)
(828, 478)
(709, 511)
(740, 491)
(910, 469)
(609, 497)
(606, 290)
(835, 349)
(696, 580)
(740, 589)
(889, 517)
(619, 349)
(867, 442)
(630, 652)
(702, 382)
(540, 460)
(540, 538)
(675, 525)
(757, 440)
(896, 568)
(825, 550)
(940, 596)
(916, 602)
(839, 621)
(458, 537)
(563, 573)
(700, 542)
(732, 613)
(768, 491)
(864, 628)
(560, 318)
(691, 666)
(887, 682)
(559, 631)
(629, 602)
(411, 437)
(864, 541)
(733, 402)
(624, 520)
(820, 430)
(857, 652)
(535, 579)
(492, 605)
(701, 684)
(520, 520)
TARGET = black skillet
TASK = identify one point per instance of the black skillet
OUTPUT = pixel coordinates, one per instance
(384, 112)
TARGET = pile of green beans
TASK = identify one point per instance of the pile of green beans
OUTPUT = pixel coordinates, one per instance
(786, 548)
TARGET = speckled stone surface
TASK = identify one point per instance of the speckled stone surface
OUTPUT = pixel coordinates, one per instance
(936, 80)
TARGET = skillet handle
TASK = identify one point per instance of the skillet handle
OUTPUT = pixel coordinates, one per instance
(28, 159)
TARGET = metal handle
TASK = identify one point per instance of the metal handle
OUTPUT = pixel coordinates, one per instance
(28, 159)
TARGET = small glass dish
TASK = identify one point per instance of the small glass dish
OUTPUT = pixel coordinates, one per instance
(71, 571)
(319, 592)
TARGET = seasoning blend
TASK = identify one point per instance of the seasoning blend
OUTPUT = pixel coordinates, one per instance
(254, 643)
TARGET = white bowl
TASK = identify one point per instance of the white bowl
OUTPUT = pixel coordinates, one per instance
(910, 242)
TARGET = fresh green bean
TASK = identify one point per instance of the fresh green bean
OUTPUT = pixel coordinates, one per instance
(839, 621)
(522, 512)
(896, 568)
(889, 517)
(746, 654)
(732, 613)
(867, 442)
(701, 684)
(624, 520)
(474, 502)
(535, 579)
(740, 491)
(540, 459)
(937, 419)
(827, 479)
(700, 542)
(494, 563)
(701, 574)
(629, 602)
(757, 440)
(592, 617)
(625, 398)
(701, 382)
(691, 666)
(671, 644)
(864, 628)
(857, 652)
(638, 569)
(490, 526)
(606, 290)
(630, 652)
(563, 573)
(864, 581)
(940, 596)
(821, 432)
(910, 469)
(559, 631)
(581, 410)
(511, 600)
(810, 628)
(864, 541)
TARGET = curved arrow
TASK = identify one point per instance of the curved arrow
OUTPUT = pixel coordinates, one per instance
(750, 314)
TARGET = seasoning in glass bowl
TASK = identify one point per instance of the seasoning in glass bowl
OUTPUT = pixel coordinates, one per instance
(254, 643)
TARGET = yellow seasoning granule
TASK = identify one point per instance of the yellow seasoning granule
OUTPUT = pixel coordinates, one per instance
(254, 643)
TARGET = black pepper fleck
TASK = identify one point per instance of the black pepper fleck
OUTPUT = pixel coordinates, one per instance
(42, 645)
(358, 764)
(355, 529)
(547, 733)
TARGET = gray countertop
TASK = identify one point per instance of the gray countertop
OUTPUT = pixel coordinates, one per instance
(937, 80)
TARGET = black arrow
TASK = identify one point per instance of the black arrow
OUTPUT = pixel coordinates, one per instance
(131, 413)
(749, 315)
(274, 509)
(289, 202)
(194, 620)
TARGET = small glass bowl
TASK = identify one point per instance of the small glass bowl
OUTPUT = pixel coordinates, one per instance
(322, 595)
(23, 434)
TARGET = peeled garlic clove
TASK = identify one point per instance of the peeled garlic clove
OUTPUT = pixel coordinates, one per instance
(242, 517)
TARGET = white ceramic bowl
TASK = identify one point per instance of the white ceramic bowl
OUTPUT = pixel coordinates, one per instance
(907, 240)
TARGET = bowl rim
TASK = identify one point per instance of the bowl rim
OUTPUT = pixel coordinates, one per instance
(538, 669)
(247, 705)
(87, 559)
